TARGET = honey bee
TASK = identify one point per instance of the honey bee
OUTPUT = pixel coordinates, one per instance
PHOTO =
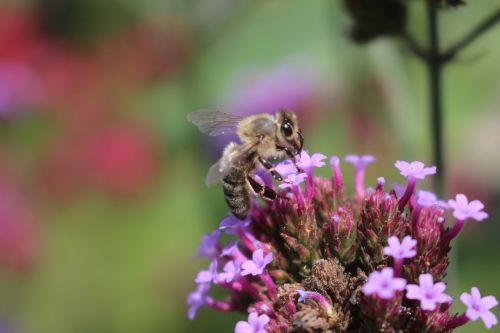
(263, 136)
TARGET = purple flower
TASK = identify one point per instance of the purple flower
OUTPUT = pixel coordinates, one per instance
(415, 169)
(478, 307)
(256, 265)
(229, 273)
(209, 245)
(255, 324)
(285, 168)
(427, 292)
(208, 275)
(293, 180)
(463, 209)
(400, 250)
(359, 162)
(306, 162)
(428, 199)
(197, 298)
(288, 85)
(383, 284)
(322, 301)
(230, 224)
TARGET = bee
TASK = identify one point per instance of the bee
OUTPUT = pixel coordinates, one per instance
(263, 137)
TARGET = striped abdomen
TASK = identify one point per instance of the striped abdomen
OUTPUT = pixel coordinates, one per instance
(236, 192)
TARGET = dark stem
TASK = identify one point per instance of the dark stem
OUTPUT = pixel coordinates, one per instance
(484, 26)
(434, 66)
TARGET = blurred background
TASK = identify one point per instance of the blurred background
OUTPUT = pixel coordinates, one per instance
(102, 196)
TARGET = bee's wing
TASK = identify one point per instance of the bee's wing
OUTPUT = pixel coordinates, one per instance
(217, 171)
(213, 122)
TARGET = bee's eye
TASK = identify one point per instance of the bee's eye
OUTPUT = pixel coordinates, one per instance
(287, 129)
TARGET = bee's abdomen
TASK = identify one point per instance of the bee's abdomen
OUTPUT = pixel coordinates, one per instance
(236, 192)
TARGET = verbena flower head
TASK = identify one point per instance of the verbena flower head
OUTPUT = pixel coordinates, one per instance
(479, 307)
(316, 259)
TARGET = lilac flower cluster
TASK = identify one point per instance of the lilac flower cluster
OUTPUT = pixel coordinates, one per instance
(318, 260)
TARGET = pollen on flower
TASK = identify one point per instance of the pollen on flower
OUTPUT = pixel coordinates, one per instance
(318, 259)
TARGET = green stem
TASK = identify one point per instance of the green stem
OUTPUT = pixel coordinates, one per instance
(434, 67)
(484, 26)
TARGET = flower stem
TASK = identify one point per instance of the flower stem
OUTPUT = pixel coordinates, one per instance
(457, 322)
(484, 26)
(410, 188)
(271, 287)
(453, 232)
(434, 67)
(398, 266)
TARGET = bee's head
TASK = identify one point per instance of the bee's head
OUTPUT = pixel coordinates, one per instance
(289, 134)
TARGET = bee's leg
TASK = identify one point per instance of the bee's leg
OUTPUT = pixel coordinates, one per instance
(263, 191)
(270, 168)
(293, 157)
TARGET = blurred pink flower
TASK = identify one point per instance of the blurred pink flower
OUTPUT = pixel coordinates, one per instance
(18, 232)
(289, 85)
(119, 158)
(20, 88)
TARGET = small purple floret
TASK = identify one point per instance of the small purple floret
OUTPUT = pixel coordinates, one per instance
(257, 264)
(306, 162)
(197, 298)
(208, 275)
(230, 224)
(427, 292)
(401, 250)
(415, 169)
(479, 307)
(463, 209)
(359, 162)
(209, 245)
(230, 272)
(293, 180)
(285, 168)
(383, 284)
(254, 324)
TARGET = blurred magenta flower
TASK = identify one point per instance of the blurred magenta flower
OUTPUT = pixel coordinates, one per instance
(120, 158)
(254, 324)
(289, 85)
(19, 236)
(20, 88)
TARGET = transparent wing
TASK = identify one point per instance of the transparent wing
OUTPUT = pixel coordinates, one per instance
(213, 122)
(215, 173)
(232, 155)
